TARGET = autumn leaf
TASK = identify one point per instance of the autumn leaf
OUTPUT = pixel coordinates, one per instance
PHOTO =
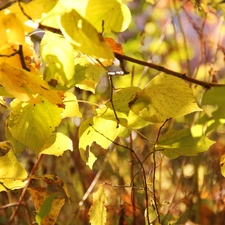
(115, 15)
(84, 37)
(11, 28)
(165, 97)
(25, 85)
(37, 121)
(47, 206)
(97, 211)
(59, 57)
(11, 177)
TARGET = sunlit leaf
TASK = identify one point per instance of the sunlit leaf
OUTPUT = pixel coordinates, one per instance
(115, 15)
(84, 36)
(175, 143)
(11, 28)
(42, 7)
(165, 97)
(12, 173)
(25, 85)
(57, 144)
(37, 121)
(98, 130)
(59, 58)
(39, 195)
(97, 211)
(71, 106)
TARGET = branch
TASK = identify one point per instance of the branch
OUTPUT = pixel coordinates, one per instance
(21, 56)
(183, 76)
(25, 189)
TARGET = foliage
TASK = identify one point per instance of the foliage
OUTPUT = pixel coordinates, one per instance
(155, 119)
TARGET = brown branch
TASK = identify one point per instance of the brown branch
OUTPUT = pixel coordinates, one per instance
(25, 190)
(183, 76)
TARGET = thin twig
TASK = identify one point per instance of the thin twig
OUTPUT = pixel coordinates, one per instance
(154, 172)
(142, 167)
(111, 100)
(25, 189)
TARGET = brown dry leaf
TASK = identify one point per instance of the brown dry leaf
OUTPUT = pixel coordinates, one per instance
(38, 196)
(53, 179)
(114, 46)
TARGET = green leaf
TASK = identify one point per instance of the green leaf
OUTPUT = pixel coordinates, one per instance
(151, 214)
(175, 143)
(45, 209)
(165, 97)
(222, 165)
(98, 130)
(37, 121)
(57, 144)
(84, 36)
(59, 58)
(12, 173)
(97, 211)
(114, 13)
(215, 97)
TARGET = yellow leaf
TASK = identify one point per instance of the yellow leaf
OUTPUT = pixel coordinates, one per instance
(25, 85)
(11, 29)
(59, 58)
(115, 15)
(12, 173)
(71, 106)
(36, 121)
(84, 37)
(57, 144)
(99, 130)
(97, 211)
(165, 97)
(42, 7)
